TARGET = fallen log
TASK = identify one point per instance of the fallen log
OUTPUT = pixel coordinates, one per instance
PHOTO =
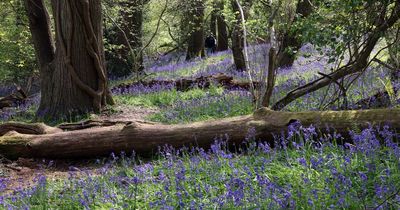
(187, 84)
(16, 98)
(145, 138)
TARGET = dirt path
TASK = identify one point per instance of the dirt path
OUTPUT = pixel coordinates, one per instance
(127, 113)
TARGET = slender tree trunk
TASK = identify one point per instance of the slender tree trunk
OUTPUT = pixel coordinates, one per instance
(196, 30)
(291, 43)
(213, 19)
(145, 138)
(238, 39)
(132, 24)
(394, 60)
(271, 77)
(222, 35)
(77, 84)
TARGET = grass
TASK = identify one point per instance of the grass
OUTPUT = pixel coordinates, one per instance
(166, 97)
(207, 108)
(305, 175)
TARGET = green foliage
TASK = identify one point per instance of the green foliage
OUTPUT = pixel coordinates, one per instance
(17, 56)
(339, 27)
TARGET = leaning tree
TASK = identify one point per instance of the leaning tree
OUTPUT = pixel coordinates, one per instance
(73, 76)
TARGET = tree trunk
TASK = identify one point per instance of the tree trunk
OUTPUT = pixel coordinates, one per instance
(291, 43)
(145, 138)
(359, 64)
(394, 59)
(222, 36)
(237, 40)
(196, 30)
(271, 77)
(238, 34)
(132, 21)
(213, 19)
(77, 84)
(39, 25)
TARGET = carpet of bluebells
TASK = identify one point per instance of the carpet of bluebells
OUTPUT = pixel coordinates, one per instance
(310, 172)
(302, 172)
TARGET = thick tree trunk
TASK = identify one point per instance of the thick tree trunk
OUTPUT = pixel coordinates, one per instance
(196, 30)
(77, 84)
(222, 35)
(291, 43)
(145, 138)
(359, 64)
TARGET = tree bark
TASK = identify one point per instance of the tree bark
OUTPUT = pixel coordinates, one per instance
(291, 43)
(237, 40)
(222, 35)
(358, 65)
(77, 83)
(271, 77)
(394, 59)
(145, 138)
(196, 29)
(39, 25)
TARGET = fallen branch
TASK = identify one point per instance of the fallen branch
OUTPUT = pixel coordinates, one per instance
(187, 84)
(145, 138)
(13, 99)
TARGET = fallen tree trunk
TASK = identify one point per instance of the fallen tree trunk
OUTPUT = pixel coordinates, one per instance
(15, 98)
(145, 137)
(187, 84)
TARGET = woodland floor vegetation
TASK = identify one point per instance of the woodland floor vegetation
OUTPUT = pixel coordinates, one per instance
(200, 104)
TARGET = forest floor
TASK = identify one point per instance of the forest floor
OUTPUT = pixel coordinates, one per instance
(165, 104)
(136, 102)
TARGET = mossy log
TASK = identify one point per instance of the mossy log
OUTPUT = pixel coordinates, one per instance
(145, 137)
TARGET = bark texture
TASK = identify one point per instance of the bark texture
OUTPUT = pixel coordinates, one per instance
(77, 83)
(271, 77)
(145, 137)
(196, 29)
(39, 25)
